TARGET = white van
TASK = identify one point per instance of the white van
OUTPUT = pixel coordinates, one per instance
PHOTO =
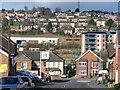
(101, 75)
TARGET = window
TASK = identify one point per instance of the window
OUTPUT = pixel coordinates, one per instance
(68, 39)
(110, 35)
(83, 72)
(103, 40)
(94, 64)
(97, 35)
(98, 45)
(76, 39)
(58, 64)
(103, 35)
(103, 45)
(56, 72)
(47, 64)
(53, 41)
(98, 40)
(53, 64)
(83, 63)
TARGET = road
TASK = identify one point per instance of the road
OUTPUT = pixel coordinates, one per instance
(73, 83)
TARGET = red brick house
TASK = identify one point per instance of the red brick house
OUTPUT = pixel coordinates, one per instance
(4, 55)
(88, 64)
(118, 54)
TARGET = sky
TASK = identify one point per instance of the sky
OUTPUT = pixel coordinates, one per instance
(84, 6)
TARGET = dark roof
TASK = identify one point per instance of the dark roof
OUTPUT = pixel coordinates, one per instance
(35, 55)
(4, 45)
(99, 32)
(55, 58)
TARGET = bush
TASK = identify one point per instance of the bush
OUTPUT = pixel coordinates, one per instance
(117, 86)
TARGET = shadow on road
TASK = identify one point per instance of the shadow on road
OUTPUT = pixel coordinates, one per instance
(59, 81)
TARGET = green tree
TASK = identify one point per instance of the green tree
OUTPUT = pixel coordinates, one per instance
(91, 22)
(109, 23)
(48, 12)
(26, 8)
(5, 25)
(104, 56)
(57, 10)
(77, 10)
(34, 9)
(49, 27)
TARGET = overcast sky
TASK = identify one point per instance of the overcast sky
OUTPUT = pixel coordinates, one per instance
(104, 6)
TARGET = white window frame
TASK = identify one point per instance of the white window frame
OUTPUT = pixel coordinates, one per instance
(83, 63)
(83, 72)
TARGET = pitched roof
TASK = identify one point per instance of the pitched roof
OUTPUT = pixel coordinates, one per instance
(88, 52)
(35, 55)
(4, 45)
(54, 58)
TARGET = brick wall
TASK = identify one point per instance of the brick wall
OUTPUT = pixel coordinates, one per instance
(119, 65)
(88, 57)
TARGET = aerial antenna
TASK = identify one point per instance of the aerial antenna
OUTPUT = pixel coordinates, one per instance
(78, 5)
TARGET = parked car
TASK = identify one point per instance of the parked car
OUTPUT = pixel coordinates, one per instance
(63, 76)
(34, 78)
(12, 82)
(28, 82)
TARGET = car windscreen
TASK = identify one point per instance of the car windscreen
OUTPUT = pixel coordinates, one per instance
(9, 80)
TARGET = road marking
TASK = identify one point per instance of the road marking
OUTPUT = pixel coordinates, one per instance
(83, 81)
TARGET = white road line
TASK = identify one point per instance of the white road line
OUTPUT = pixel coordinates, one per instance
(83, 81)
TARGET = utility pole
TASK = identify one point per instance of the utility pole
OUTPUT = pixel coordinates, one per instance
(9, 59)
(78, 5)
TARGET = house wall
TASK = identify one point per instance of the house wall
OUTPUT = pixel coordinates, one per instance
(89, 58)
(3, 60)
(119, 65)
(55, 65)
(27, 64)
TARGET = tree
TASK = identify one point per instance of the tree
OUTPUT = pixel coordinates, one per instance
(5, 25)
(77, 10)
(49, 27)
(48, 12)
(69, 10)
(34, 9)
(3, 10)
(104, 56)
(57, 10)
(91, 22)
(109, 23)
(26, 8)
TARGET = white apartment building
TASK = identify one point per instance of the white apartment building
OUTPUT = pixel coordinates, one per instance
(96, 41)
(24, 40)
